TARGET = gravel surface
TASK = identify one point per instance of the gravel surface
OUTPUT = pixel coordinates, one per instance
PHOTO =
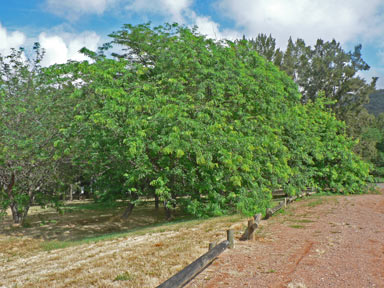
(333, 241)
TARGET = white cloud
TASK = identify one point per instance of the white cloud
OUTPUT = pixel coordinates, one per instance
(208, 27)
(380, 82)
(306, 19)
(55, 47)
(173, 8)
(374, 72)
(60, 49)
(211, 29)
(348, 21)
(88, 39)
(180, 11)
(10, 40)
(73, 9)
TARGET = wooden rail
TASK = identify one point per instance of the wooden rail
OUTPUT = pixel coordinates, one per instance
(252, 226)
(185, 275)
(287, 200)
(189, 272)
(271, 211)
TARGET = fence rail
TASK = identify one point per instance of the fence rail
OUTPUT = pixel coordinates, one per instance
(185, 275)
(189, 272)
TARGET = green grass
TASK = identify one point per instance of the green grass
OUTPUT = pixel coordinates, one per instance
(88, 220)
(316, 202)
(53, 245)
(124, 277)
(271, 271)
(284, 211)
(95, 206)
(44, 222)
(301, 221)
(138, 231)
(297, 226)
(26, 224)
(378, 180)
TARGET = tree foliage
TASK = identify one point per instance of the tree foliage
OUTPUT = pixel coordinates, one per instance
(31, 112)
(376, 102)
(326, 70)
(209, 125)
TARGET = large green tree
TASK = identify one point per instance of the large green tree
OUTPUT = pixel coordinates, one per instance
(208, 125)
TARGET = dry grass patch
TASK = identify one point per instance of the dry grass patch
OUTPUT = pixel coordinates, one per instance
(141, 258)
(11, 247)
(81, 219)
(129, 255)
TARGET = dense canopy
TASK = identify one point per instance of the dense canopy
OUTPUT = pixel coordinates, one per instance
(210, 126)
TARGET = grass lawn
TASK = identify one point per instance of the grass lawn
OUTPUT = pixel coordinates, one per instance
(142, 251)
(83, 219)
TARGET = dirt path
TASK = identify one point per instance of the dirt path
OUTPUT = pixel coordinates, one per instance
(326, 242)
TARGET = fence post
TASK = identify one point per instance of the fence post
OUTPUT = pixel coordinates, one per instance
(230, 239)
(251, 236)
(212, 245)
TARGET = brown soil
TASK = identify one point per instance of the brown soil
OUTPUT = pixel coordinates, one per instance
(322, 242)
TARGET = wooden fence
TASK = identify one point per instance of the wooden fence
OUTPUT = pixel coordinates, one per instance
(189, 272)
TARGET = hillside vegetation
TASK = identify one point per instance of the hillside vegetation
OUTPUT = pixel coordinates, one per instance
(376, 102)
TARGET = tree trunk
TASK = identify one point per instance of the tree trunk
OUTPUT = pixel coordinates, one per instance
(156, 201)
(25, 213)
(130, 207)
(71, 192)
(16, 215)
(128, 211)
(184, 276)
(168, 212)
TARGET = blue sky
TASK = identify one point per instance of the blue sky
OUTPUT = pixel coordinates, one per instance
(64, 26)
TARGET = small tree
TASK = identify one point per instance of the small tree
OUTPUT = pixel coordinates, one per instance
(31, 112)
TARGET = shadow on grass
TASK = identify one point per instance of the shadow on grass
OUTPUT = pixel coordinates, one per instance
(137, 231)
(87, 221)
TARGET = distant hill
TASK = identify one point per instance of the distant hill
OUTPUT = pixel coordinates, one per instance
(376, 103)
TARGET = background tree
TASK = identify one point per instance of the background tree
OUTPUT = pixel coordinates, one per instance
(31, 113)
(376, 102)
(326, 70)
(265, 46)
